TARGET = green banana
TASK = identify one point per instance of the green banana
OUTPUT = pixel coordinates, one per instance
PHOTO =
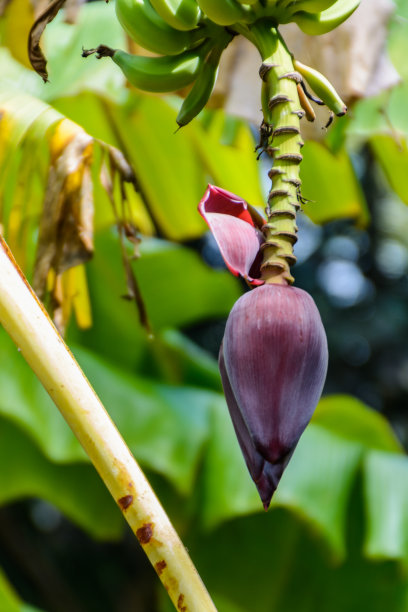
(141, 22)
(226, 12)
(320, 23)
(157, 74)
(202, 89)
(179, 14)
(311, 6)
(322, 87)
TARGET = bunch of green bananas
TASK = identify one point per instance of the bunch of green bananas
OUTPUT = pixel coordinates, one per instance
(190, 35)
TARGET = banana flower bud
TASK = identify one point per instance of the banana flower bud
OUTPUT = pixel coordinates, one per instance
(273, 358)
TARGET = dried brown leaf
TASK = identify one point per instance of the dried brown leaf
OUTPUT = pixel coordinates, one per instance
(126, 230)
(37, 58)
(66, 227)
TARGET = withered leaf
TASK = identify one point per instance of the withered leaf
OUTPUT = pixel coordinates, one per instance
(66, 227)
(37, 58)
(121, 165)
(126, 230)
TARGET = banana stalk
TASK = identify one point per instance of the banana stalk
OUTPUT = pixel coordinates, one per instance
(281, 140)
(25, 320)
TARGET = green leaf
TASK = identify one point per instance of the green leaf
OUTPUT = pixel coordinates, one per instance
(321, 170)
(349, 418)
(386, 496)
(24, 401)
(227, 488)
(392, 155)
(76, 490)
(233, 164)
(17, 20)
(177, 287)
(191, 290)
(19, 112)
(69, 72)
(165, 426)
(271, 562)
(89, 109)
(196, 365)
(9, 601)
(318, 481)
(168, 169)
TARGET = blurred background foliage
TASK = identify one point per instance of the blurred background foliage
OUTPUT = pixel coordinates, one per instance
(84, 153)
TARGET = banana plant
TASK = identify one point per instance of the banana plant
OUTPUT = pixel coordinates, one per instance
(273, 359)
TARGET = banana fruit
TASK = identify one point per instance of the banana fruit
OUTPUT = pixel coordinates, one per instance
(202, 89)
(158, 74)
(141, 22)
(320, 23)
(190, 35)
(226, 12)
(322, 87)
(311, 6)
(179, 14)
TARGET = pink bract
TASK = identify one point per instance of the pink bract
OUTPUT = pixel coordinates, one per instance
(236, 227)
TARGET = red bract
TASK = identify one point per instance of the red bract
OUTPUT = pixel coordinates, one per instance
(273, 364)
(236, 228)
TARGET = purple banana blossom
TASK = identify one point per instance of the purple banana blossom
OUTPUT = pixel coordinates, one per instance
(273, 359)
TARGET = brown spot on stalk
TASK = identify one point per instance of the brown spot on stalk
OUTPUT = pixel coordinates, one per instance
(296, 182)
(180, 603)
(160, 566)
(125, 502)
(292, 76)
(273, 172)
(278, 99)
(144, 534)
(281, 213)
(264, 70)
(272, 150)
(278, 193)
(295, 158)
(286, 129)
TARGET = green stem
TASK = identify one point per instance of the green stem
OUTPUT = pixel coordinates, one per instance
(280, 138)
(25, 320)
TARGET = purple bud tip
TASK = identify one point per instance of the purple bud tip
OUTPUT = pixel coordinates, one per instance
(273, 364)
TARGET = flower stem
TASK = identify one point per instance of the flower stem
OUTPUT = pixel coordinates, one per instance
(280, 139)
(28, 324)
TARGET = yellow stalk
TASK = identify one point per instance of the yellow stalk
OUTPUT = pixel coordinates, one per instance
(26, 321)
